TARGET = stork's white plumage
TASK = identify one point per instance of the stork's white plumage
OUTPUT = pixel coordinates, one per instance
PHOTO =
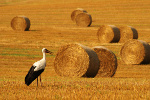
(37, 68)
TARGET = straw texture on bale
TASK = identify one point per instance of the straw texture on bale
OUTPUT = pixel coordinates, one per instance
(127, 33)
(76, 60)
(83, 19)
(108, 62)
(20, 23)
(76, 12)
(108, 34)
(135, 52)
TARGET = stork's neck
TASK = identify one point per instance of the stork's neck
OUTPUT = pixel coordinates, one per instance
(44, 55)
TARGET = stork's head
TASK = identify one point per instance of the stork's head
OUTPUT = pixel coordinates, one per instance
(44, 50)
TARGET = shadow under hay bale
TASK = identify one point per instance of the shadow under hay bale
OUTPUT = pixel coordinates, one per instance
(83, 19)
(76, 12)
(108, 62)
(76, 60)
(20, 23)
(127, 33)
(135, 52)
(108, 34)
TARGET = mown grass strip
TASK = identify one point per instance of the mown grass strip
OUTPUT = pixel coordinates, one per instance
(25, 55)
(10, 2)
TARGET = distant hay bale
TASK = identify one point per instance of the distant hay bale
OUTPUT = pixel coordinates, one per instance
(127, 33)
(76, 60)
(83, 19)
(135, 52)
(76, 12)
(108, 62)
(108, 34)
(20, 23)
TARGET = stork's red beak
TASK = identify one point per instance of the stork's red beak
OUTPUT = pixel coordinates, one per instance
(47, 51)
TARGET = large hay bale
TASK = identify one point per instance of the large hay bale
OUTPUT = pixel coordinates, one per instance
(135, 52)
(76, 60)
(20, 23)
(127, 33)
(76, 12)
(108, 34)
(83, 19)
(108, 61)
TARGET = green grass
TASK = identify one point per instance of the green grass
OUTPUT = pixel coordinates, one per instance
(24, 55)
(16, 52)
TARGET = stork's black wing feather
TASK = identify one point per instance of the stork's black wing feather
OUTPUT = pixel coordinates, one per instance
(32, 75)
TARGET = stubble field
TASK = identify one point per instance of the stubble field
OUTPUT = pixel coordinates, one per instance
(51, 27)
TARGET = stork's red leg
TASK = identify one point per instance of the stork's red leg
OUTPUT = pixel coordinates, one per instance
(40, 80)
(37, 81)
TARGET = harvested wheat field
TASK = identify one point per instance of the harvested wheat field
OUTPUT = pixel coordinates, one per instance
(51, 27)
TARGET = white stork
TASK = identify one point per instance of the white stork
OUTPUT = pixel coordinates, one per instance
(36, 69)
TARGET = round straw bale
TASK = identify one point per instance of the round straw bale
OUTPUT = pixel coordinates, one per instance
(108, 34)
(76, 12)
(20, 23)
(108, 62)
(126, 33)
(83, 19)
(76, 60)
(135, 52)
